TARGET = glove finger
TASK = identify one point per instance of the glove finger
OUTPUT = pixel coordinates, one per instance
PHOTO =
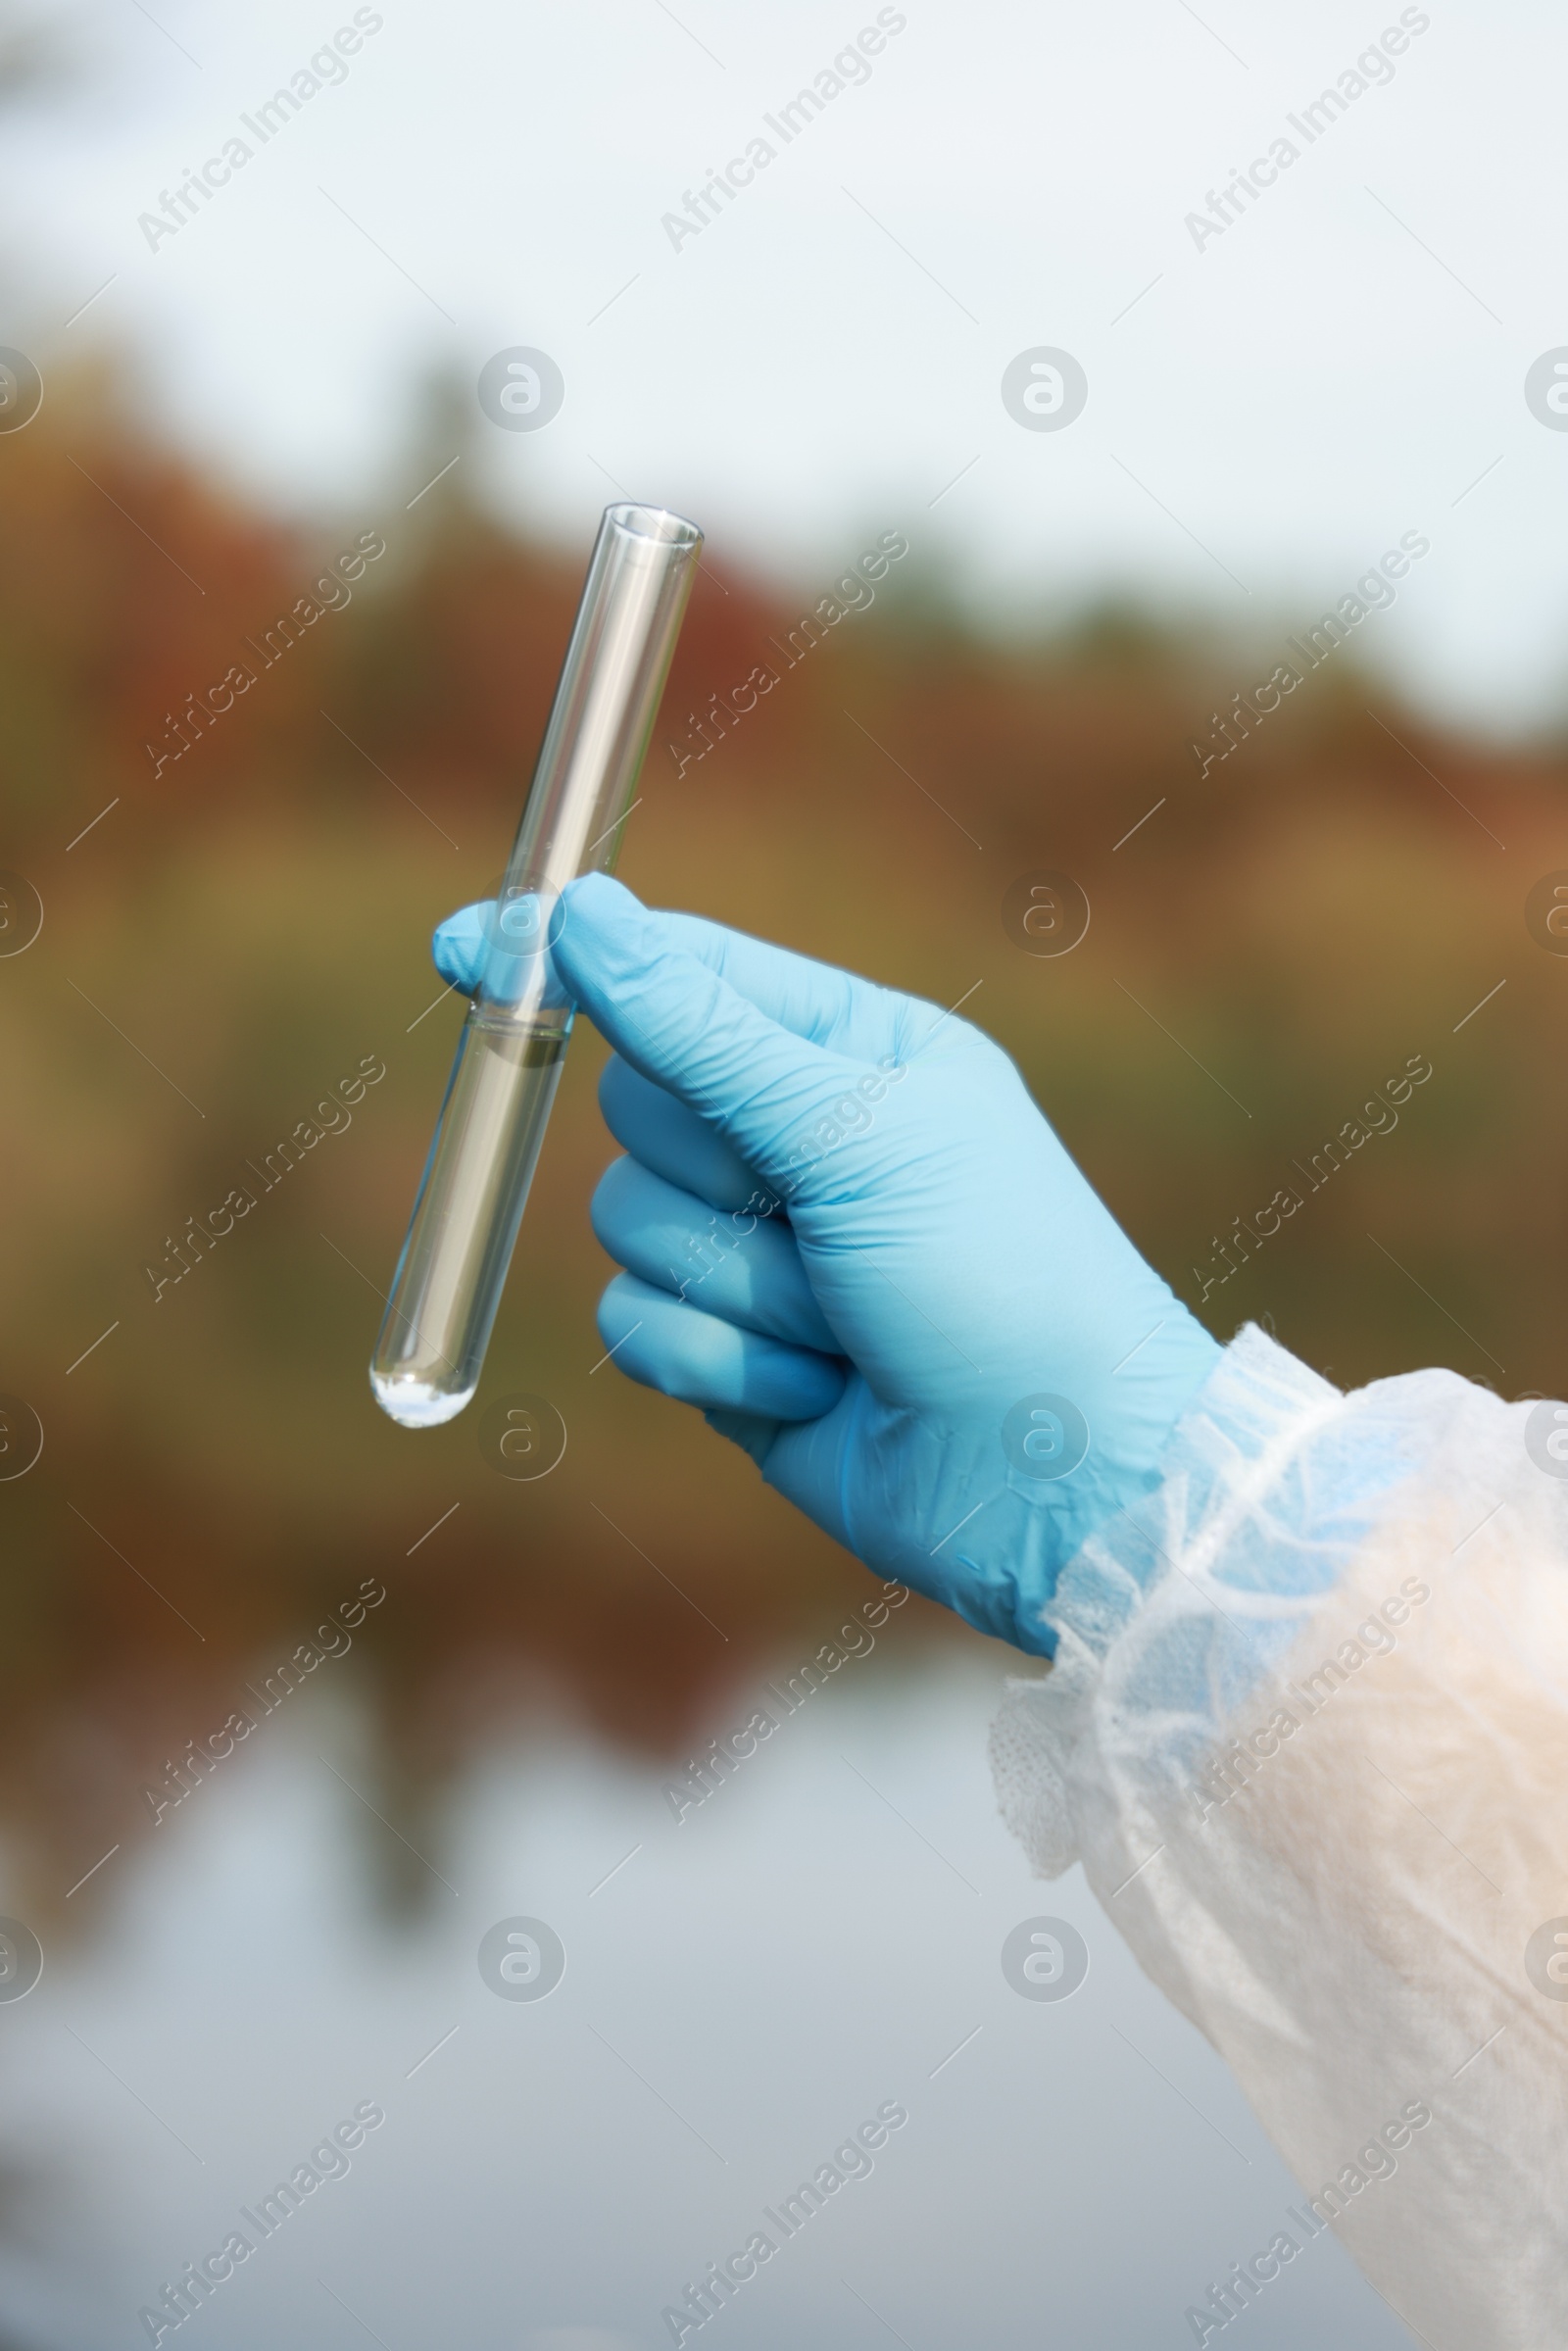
(742, 1268)
(460, 945)
(816, 1000)
(700, 1359)
(682, 1025)
(676, 1143)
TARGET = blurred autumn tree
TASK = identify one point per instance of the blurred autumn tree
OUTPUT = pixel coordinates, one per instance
(226, 935)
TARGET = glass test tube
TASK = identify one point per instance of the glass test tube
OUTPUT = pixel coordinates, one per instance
(492, 1122)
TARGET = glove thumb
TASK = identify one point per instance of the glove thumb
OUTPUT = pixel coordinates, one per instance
(685, 1027)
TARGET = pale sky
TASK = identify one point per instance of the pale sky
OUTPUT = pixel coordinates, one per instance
(1267, 411)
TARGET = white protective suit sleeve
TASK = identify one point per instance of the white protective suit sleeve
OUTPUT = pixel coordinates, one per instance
(1306, 1729)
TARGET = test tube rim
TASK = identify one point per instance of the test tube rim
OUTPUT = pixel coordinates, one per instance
(659, 524)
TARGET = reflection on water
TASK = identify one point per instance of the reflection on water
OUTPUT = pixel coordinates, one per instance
(752, 1992)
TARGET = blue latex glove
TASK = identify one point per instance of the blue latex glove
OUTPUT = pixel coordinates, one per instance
(853, 1240)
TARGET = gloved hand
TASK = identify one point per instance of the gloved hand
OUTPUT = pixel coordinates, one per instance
(853, 1240)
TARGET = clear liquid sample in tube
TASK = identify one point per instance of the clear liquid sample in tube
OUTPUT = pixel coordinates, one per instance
(509, 1060)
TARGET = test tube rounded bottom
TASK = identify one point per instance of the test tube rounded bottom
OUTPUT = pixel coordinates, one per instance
(454, 1265)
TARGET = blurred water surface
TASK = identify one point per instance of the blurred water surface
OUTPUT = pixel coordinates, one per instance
(744, 1988)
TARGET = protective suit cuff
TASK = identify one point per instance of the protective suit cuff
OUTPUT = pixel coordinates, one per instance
(1207, 1578)
(1233, 1448)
